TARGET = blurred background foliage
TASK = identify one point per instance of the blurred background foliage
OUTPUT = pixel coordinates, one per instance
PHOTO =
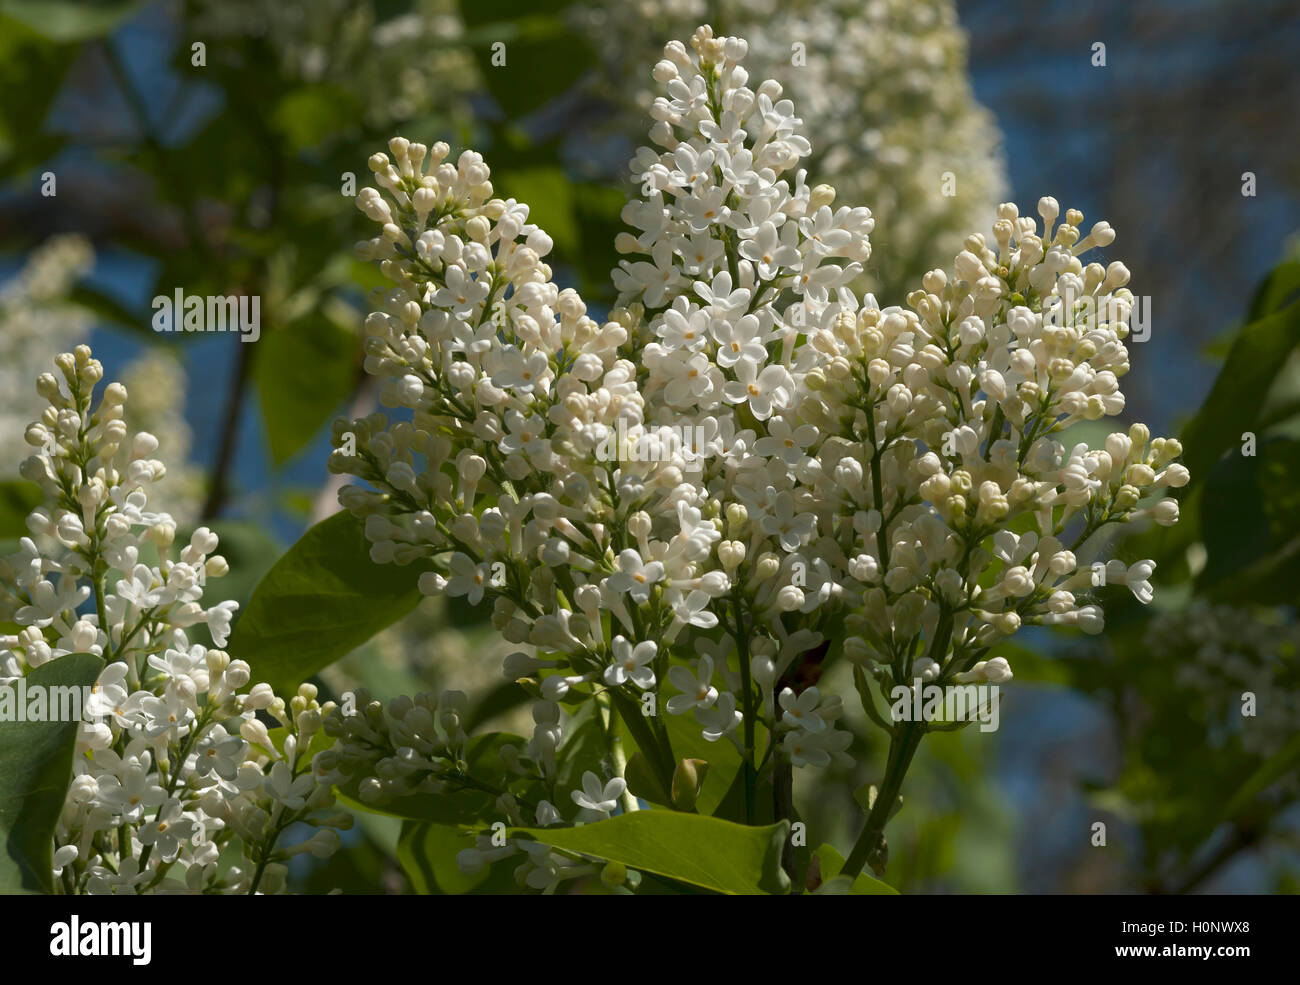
(208, 144)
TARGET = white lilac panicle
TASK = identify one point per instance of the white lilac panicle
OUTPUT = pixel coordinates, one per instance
(900, 467)
(172, 763)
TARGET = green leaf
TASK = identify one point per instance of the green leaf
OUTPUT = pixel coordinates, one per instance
(543, 59)
(250, 551)
(1258, 354)
(35, 769)
(18, 498)
(549, 194)
(324, 598)
(832, 862)
(36, 67)
(692, 848)
(66, 20)
(311, 114)
(1254, 523)
(112, 311)
(1276, 291)
(503, 698)
(688, 742)
(427, 853)
(643, 781)
(305, 371)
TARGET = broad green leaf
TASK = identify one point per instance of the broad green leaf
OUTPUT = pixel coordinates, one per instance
(688, 742)
(311, 114)
(1258, 354)
(305, 371)
(18, 497)
(35, 769)
(112, 311)
(36, 67)
(501, 699)
(1253, 526)
(549, 194)
(692, 848)
(643, 781)
(543, 59)
(832, 862)
(427, 853)
(251, 553)
(324, 598)
(1276, 291)
(64, 20)
(732, 805)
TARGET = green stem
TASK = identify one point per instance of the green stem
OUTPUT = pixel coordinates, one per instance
(647, 741)
(264, 856)
(614, 745)
(878, 495)
(746, 687)
(870, 846)
(783, 809)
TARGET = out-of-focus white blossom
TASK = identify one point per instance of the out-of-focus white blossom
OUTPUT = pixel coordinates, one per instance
(399, 68)
(37, 322)
(1225, 653)
(881, 84)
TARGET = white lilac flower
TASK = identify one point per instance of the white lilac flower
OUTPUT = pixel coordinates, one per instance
(697, 688)
(720, 720)
(596, 797)
(632, 663)
(165, 775)
(467, 578)
(864, 462)
(634, 576)
(800, 711)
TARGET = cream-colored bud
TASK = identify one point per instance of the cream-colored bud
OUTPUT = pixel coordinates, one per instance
(820, 195)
